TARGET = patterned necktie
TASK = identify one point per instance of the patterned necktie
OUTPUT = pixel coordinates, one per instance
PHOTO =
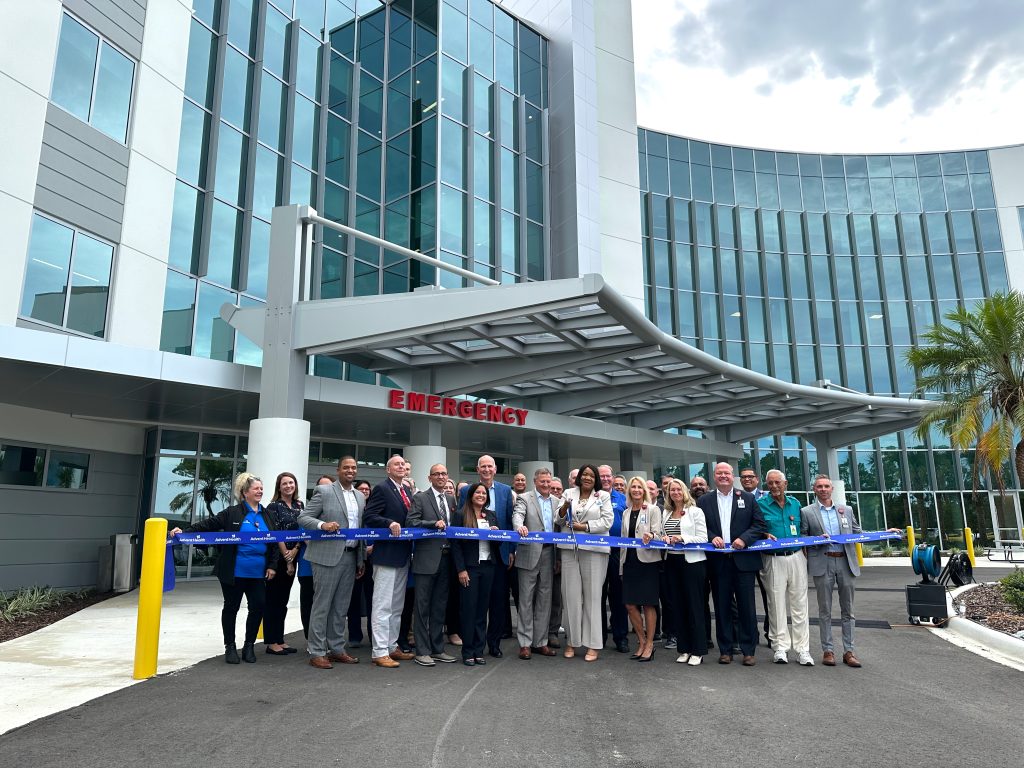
(405, 496)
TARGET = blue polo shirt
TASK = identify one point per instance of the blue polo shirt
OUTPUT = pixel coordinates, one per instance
(618, 507)
(251, 560)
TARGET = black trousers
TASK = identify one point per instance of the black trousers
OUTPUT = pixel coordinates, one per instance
(499, 612)
(305, 602)
(453, 611)
(255, 591)
(279, 589)
(475, 600)
(611, 596)
(431, 602)
(405, 623)
(727, 584)
(684, 617)
(359, 605)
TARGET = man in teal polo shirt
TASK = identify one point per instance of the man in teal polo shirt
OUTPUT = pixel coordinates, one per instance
(784, 573)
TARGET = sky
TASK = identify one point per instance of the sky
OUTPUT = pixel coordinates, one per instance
(833, 75)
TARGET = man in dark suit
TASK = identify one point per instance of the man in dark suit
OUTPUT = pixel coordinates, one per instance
(388, 507)
(500, 501)
(433, 509)
(733, 518)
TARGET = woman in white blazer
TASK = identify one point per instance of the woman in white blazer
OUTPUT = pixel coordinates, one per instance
(584, 509)
(641, 568)
(684, 523)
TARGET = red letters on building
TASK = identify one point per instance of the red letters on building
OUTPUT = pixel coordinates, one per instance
(418, 402)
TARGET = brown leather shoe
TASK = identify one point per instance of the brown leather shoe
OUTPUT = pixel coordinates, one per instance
(320, 662)
(828, 659)
(749, 661)
(401, 655)
(543, 650)
(385, 661)
(725, 658)
(342, 658)
(524, 653)
(850, 660)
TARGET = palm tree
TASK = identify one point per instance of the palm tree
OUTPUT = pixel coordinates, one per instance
(975, 363)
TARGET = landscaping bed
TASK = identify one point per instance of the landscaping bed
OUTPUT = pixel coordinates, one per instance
(987, 605)
(30, 609)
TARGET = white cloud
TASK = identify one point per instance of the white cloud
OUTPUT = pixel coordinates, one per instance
(874, 76)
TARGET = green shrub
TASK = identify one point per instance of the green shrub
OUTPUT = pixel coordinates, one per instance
(887, 551)
(34, 600)
(1012, 588)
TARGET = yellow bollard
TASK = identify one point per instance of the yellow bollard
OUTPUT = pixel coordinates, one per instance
(910, 540)
(969, 545)
(860, 554)
(259, 633)
(151, 594)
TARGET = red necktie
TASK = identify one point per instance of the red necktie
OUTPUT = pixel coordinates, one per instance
(405, 497)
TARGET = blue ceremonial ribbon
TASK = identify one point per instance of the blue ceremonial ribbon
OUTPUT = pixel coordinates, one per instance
(169, 568)
(534, 537)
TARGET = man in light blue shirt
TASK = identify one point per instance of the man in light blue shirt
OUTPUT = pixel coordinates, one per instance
(535, 565)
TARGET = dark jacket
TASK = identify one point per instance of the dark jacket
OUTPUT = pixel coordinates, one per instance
(466, 552)
(384, 507)
(746, 523)
(230, 520)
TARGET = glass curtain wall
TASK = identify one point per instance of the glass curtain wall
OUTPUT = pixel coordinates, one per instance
(827, 267)
(419, 121)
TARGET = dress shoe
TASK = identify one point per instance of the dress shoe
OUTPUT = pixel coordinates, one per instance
(385, 661)
(249, 653)
(424, 661)
(400, 655)
(524, 653)
(622, 646)
(647, 658)
(320, 662)
(850, 660)
(342, 658)
(749, 661)
(469, 662)
(496, 652)
(543, 650)
(480, 662)
(553, 642)
(695, 660)
(828, 659)
(682, 658)
(444, 658)
(725, 658)
(454, 639)
(231, 654)
(272, 652)
(591, 655)
(289, 649)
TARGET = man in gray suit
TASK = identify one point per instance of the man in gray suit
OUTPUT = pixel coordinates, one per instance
(432, 566)
(832, 564)
(336, 563)
(534, 511)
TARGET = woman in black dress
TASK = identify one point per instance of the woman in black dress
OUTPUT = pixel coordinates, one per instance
(640, 568)
(284, 510)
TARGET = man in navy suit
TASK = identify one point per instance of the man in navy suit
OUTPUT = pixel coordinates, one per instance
(388, 507)
(733, 518)
(500, 500)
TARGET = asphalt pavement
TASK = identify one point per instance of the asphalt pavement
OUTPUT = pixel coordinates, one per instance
(918, 701)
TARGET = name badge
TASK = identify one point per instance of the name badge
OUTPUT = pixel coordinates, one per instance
(741, 504)
(792, 530)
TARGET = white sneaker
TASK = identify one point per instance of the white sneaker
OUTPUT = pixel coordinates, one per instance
(806, 660)
(682, 658)
(695, 660)
(780, 658)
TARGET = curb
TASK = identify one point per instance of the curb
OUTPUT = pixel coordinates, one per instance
(990, 643)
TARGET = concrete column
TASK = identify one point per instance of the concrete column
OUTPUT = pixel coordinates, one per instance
(422, 457)
(828, 464)
(278, 445)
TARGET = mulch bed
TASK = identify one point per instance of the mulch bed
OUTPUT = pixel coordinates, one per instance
(12, 629)
(985, 605)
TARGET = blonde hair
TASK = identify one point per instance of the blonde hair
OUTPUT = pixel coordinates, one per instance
(643, 484)
(244, 482)
(687, 498)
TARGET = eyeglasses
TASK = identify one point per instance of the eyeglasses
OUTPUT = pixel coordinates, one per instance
(432, 474)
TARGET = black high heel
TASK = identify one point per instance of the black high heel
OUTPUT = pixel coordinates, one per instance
(648, 658)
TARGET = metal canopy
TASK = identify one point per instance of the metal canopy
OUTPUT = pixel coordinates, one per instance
(574, 347)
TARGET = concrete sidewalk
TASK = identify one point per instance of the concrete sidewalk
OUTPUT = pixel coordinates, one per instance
(91, 653)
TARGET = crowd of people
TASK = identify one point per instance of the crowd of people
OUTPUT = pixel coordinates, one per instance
(421, 599)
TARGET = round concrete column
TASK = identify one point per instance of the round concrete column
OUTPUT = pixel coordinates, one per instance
(278, 445)
(529, 467)
(422, 457)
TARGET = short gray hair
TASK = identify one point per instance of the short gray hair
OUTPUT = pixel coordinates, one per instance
(541, 471)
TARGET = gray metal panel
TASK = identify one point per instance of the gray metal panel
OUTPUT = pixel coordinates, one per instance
(82, 175)
(62, 575)
(121, 21)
